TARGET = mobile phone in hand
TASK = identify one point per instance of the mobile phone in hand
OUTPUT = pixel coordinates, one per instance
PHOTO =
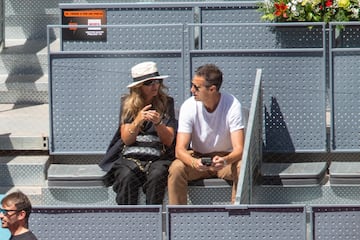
(207, 161)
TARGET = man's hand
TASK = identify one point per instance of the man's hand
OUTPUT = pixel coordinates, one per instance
(219, 163)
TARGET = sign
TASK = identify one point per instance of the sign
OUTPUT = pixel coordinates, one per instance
(92, 17)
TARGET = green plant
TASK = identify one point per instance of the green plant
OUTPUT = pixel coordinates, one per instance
(309, 10)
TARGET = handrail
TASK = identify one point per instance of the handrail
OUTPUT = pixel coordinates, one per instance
(2, 24)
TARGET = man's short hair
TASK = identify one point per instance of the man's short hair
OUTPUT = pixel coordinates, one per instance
(20, 200)
(212, 75)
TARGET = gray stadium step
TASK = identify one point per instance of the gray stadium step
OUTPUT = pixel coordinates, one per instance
(290, 174)
(33, 192)
(82, 183)
(23, 71)
(24, 20)
(27, 171)
(30, 88)
(21, 56)
(24, 127)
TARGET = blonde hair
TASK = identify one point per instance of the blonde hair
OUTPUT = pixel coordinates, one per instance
(135, 101)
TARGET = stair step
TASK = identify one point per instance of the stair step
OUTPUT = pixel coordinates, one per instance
(29, 88)
(23, 71)
(21, 56)
(24, 127)
(23, 170)
(301, 173)
(33, 192)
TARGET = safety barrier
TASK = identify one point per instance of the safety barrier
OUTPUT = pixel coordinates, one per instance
(252, 154)
(236, 222)
(344, 52)
(344, 75)
(197, 222)
(335, 221)
(126, 222)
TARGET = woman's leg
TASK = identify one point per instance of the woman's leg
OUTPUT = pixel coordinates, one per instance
(127, 182)
(156, 182)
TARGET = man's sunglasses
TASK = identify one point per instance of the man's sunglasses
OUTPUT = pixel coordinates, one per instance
(6, 211)
(197, 88)
(152, 82)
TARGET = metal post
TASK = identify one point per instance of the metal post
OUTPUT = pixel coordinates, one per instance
(2, 24)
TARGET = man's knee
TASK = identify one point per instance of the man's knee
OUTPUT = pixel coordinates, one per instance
(177, 167)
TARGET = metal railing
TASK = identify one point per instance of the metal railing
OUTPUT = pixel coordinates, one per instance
(2, 24)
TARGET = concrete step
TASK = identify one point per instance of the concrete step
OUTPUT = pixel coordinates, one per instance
(24, 20)
(33, 192)
(24, 127)
(23, 71)
(22, 56)
(26, 89)
(27, 171)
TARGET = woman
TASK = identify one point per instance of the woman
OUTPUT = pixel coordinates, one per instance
(147, 130)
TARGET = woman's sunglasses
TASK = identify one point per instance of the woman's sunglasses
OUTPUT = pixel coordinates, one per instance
(152, 82)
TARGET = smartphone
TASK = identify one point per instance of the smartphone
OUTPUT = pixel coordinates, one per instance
(207, 161)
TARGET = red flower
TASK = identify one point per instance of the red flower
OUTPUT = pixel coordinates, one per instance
(328, 3)
(281, 10)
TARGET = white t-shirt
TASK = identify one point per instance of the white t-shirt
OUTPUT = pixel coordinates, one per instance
(210, 132)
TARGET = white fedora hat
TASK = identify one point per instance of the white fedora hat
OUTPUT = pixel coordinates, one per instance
(144, 71)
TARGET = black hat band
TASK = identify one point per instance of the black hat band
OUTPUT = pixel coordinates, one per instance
(155, 74)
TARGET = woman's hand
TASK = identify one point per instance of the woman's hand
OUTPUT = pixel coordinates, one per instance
(142, 115)
(150, 115)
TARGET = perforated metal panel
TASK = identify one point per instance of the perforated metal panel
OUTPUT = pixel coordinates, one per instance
(135, 37)
(336, 222)
(215, 195)
(85, 95)
(28, 21)
(252, 155)
(23, 60)
(233, 34)
(344, 54)
(294, 94)
(78, 196)
(293, 72)
(23, 170)
(126, 222)
(236, 222)
(348, 37)
(346, 101)
(323, 194)
(230, 13)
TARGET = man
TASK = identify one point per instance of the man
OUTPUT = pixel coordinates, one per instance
(14, 214)
(211, 123)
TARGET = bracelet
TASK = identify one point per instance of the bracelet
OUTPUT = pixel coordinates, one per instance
(159, 123)
(132, 132)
